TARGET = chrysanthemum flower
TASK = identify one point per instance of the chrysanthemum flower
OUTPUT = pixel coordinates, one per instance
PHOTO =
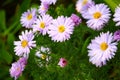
(16, 70)
(28, 18)
(101, 49)
(61, 28)
(117, 35)
(117, 16)
(43, 8)
(42, 24)
(62, 62)
(43, 56)
(22, 47)
(97, 16)
(83, 5)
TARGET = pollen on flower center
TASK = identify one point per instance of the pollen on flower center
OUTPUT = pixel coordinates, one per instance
(43, 56)
(61, 29)
(42, 25)
(97, 15)
(29, 17)
(103, 46)
(24, 43)
(84, 2)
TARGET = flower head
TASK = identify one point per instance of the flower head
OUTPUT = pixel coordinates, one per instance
(49, 1)
(25, 44)
(83, 5)
(16, 70)
(101, 49)
(75, 19)
(117, 35)
(42, 24)
(61, 28)
(62, 62)
(27, 18)
(97, 16)
(23, 62)
(117, 16)
(43, 8)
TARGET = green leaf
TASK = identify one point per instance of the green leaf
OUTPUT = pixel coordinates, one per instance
(2, 20)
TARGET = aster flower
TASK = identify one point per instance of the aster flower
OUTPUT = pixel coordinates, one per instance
(22, 47)
(76, 19)
(61, 28)
(97, 16)
(43, 8)
(62, 62)
(43, 56)
(42, 24)
(49, 1)
(16, 70)
(83, 5)
(28, 18)
(117, 35)
(117, 16)
(102, 49)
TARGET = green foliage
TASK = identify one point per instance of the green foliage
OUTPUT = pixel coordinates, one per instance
(74, 50)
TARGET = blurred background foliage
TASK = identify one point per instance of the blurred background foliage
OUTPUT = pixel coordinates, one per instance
(74, 50)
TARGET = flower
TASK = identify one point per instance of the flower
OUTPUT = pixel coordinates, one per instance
(43, 8)
(43, 56)
(16, 70)
(83, 5)
(23, 62)
(97, 16)
(75, 19)
(61, 28)
(49, 1)
(27, 18)
(117, 35)
(22, 47)
(101, 49)
(117, 16)
(42, 24)
(62, 62)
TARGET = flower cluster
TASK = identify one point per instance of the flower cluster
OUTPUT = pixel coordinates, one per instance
(100, 50)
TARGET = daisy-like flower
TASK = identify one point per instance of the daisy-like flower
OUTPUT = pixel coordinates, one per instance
(25, 44)
(42, 24)
(83, 5)
(97, 16)
(117, 35)
(28, 18)
(43, 56)
(62, 62)
(117, 16)
(43, 8)
(61, 28)
(101, 49)
(49, 1)
(16, 70)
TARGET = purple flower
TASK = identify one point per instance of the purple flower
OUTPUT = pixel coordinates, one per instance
(62, 62)
(23, 62)
(16, 70)
(117, 35)
(75, 19)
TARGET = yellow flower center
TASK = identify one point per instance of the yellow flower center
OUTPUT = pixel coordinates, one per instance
(42, 25)
(29, 17)
(84, 2)
(103, 46)
(24, 43)
(61, 29)
(43, 56)
(97, 15)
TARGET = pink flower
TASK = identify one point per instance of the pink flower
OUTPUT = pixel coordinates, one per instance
(62, 62)
(16, 70)
(23, 62)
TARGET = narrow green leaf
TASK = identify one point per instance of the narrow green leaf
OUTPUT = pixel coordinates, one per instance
(2, 20)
